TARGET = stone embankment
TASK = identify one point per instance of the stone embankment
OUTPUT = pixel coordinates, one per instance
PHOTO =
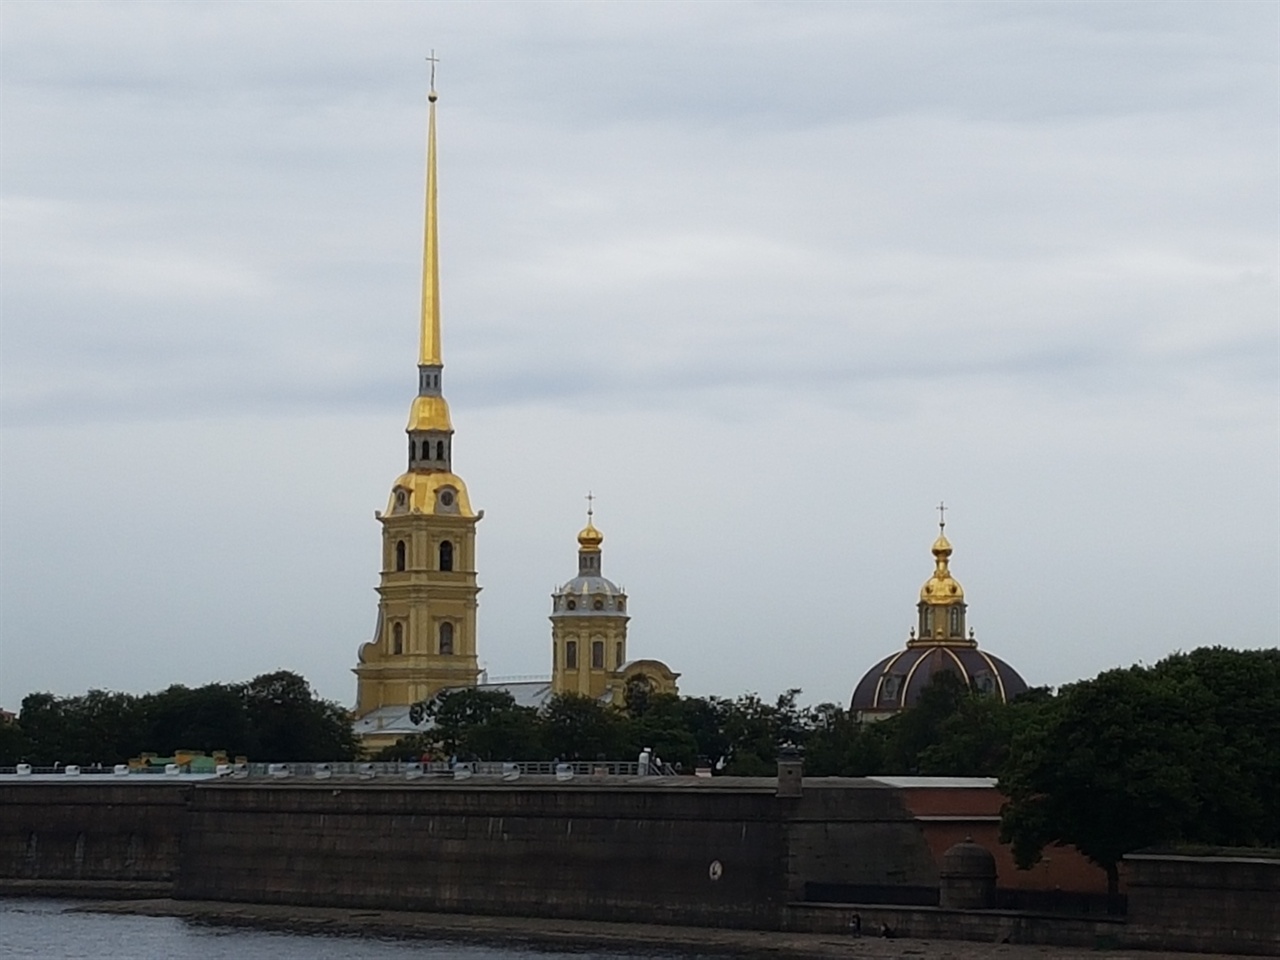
(585, 934)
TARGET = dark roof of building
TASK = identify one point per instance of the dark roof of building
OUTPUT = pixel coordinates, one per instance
(898, 680)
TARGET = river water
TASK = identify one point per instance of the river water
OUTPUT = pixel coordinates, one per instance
(45, 929)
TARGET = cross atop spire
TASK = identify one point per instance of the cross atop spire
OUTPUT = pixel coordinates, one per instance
(433, 60)
(942, 516)
(591, 502)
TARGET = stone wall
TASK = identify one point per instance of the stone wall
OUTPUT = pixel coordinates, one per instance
(91, 838)
(592, 851)
(727, 852)
(937, 923)
(854, 840)
(1206, 903)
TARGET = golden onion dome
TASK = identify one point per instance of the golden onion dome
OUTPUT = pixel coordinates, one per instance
(589, 538)
(941, 588)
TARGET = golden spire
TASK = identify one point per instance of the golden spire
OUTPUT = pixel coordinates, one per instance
(430, 355)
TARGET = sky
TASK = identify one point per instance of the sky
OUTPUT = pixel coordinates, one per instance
(771, 280)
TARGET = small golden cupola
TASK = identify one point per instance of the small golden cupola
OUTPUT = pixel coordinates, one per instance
(589, 538)
(941, 589)
(942, 607)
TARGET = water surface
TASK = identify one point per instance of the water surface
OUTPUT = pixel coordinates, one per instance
(49, 930)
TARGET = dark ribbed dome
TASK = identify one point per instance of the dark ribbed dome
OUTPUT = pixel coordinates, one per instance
(897, 680)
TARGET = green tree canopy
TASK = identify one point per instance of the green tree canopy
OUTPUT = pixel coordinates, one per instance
(1185, 751)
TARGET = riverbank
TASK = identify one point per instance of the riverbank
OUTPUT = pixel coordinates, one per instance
(580, 934)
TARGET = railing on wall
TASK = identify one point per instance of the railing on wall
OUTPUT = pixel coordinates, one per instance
(434, 770)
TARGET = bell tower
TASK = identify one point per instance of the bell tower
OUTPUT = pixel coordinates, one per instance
(588, 624)
(425, 638)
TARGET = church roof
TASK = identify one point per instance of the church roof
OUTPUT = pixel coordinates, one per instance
(590, 585)
(898, 680)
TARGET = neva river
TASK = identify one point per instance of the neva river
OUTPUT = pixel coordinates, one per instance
(45, 929)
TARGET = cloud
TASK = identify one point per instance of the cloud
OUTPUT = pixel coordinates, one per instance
(771, 278)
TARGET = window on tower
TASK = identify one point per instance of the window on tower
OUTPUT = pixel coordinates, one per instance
(956, 630)
(597, 654)
(446, 638)
(446, 555)
(571, 654)
(618, 652)
(400, 551)
(571, 603)
(439, 449)
(598, 603)
(397, 638)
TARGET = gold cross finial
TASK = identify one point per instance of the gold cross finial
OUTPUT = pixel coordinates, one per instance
(433, 60)
(591, 502)
(942, 515)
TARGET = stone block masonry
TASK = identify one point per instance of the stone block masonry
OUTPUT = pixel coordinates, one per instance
(699, 856)
(103, 839)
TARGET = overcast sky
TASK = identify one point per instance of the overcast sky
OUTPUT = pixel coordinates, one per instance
(771, 279)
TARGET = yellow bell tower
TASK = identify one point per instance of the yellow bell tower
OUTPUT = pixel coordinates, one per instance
(588, 624)
(425, 638)
(589, 633)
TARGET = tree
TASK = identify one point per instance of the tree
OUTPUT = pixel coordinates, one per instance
(287, 722)
(581, 728)
(1185, 751)
(208, 718)
(14, 745)
(755, 729)
(664, 727)
(485, 724)
(1105, 767)
(98, 727)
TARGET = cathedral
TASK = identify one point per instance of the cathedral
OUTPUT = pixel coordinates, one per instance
(425, 638)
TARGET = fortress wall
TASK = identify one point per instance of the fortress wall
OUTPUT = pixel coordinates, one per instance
(1205, 903)
(91, 837)
(629, 852)
(590, 849)
(856, 840)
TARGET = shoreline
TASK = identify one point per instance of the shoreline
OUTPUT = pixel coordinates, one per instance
(579, 934)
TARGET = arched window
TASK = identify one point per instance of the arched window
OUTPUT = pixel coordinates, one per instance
(598, 604)
(446, 555)
(926, 623)
(446, 638)
(618, 651)
(439, 449)
(597, 654)
(571, 654)
(622, 604)
(571, 603)
(397, 638)
(955, 622)
(400, 555)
